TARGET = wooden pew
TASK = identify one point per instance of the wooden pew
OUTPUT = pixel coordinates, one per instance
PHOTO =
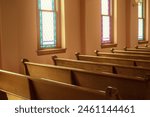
(144, 47)
(42, 89)
(14, 84)
(129, 87)
(130, 52)
(103, 67)
(121, 55)
(113, 60)
(136, 50)
(53, 90)
(36, 70)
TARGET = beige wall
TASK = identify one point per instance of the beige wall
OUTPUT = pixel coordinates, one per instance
(20, 34)
(81, 29)
(0, 31)
(133, 23)
(9, 41)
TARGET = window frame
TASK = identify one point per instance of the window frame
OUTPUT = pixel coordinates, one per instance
(110, 15)
(58, 48)
(141, 40)
(113, 26)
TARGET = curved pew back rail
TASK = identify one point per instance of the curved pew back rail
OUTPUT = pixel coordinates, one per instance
(130, 52)
(143, 47)
(113, 60)
(136, 50)
(122, 55)
(103, 67)
(129, 87)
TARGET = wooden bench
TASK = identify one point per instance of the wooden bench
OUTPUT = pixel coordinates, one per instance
(121, 55)
(144, 47)
(103, 67)
(43, 89)
(36, 70)
(130, 52)
(53, 90)
(113, 60)
(137, 50)
(129, 87)
(14, 84)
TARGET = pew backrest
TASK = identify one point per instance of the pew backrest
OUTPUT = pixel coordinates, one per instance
(103, 67)
(136, 50)
(51, 72)
(54, 90)
(15, 84)
(121, 55)
(103, 59)
(129, 87)
(44, 89)
(131, 52)
(113, 60)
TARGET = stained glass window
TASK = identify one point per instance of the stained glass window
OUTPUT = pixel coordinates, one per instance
(141, 20)
(47, 14)
(106, 21)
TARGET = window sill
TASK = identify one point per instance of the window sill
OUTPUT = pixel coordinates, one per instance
(142, 42)
(108, 45)
(51, 51)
